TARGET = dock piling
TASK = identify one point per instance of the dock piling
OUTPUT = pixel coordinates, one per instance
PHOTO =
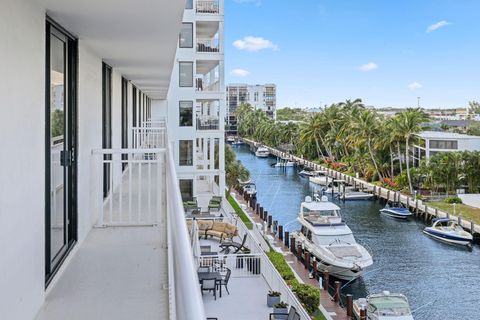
(363, 313)
(336, 297)
(280, 232)
(287, 239)
(325, 280)
(292, 245)
(349, 305)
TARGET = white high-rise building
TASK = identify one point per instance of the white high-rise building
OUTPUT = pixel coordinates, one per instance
(263, 97)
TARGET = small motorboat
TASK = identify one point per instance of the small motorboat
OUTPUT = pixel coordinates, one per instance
(396, 212)
(319, 177)
(230, 140)
(306, 173)
(284, 163)
(352, 194)
(384, 306)
(449, 231)
(238, 142)
(262, 152)
(250, 188)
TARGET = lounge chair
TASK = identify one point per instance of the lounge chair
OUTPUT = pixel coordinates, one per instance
(291, 315)
(227, 246)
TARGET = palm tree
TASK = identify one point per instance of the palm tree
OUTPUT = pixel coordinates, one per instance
(410, 123)
(367, 130)
(235, 171)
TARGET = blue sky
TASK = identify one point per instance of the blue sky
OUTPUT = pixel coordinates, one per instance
(387, 52)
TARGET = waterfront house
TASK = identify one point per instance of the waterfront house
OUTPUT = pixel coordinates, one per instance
(429, 143)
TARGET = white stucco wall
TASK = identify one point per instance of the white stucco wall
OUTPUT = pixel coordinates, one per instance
(22, 164)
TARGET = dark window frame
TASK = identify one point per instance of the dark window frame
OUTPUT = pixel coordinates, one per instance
(180, 63)
(193, 38)
(180, 113)
(124, 133)
(106, 123)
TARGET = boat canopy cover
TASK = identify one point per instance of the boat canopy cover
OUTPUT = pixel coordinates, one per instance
(392, 302)
(320, 206)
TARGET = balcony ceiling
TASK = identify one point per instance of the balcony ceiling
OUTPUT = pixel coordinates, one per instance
(138, 38)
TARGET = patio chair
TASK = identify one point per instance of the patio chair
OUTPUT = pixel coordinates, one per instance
(289, 316)
(210, 285)
(227, 246)
(224, 281)
(214, 205)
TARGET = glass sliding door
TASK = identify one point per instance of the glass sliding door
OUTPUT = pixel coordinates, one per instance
(106, 123)
(124, 119)
(60, 143)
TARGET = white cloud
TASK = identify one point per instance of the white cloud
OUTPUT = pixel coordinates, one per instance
(255, 2)
(415, 85)
(239, 73)
(437, 25)
(254, 44)
(368, 66)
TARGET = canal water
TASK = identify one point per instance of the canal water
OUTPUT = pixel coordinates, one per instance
(441, 281)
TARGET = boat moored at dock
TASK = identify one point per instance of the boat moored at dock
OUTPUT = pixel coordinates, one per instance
(384, 306)
(397, 212)
(262, 152)
(250, 188)
(353, 194)
(448, 230)
(319, 177)
(329, 240)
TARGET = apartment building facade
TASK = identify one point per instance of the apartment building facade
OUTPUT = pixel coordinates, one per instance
(103, 125)
(263, 97)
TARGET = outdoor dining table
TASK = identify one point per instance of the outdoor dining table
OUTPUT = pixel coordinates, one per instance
(211, 275)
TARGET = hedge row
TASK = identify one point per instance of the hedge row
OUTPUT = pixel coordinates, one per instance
(240, 212)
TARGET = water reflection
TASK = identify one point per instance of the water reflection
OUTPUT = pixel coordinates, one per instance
(440, 280)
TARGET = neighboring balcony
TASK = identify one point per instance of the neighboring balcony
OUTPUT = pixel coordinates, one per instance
(208, 6)
(207, 45)
(208, 122)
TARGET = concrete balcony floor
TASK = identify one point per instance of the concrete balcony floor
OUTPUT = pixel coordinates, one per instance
(117, 273)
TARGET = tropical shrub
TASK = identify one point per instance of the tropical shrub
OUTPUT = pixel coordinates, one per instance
(281, 265)
(243, 216)
(308, 295)
(453, 199)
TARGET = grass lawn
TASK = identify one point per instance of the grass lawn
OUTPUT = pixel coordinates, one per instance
(465, 211)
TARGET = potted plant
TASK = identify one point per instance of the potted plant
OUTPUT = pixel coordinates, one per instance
(273, 298)
(281, 307)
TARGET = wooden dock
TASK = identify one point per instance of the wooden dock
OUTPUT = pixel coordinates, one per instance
(418, 207)
(334, 310)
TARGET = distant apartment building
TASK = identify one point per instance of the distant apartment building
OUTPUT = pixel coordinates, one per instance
(263, 97)
(432, 142)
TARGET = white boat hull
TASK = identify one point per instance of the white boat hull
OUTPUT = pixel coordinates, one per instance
(284, 164)
(446, 237)
(365, 196)
(319, 180)
(394, 214)
(339, 268)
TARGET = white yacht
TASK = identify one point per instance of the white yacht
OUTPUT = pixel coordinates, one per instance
(319, 177)
(250, 188)
(384, 306)
(284, 163)
(262, 152)
(330, 240)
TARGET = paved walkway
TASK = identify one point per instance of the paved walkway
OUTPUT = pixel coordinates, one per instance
(333, 309)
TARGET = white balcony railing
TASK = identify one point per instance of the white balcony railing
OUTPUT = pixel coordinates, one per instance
(208, 6)
(208, 122)
(148, 137)
(207, 86)
(207, 45)
(185, 298)
(133, 188)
